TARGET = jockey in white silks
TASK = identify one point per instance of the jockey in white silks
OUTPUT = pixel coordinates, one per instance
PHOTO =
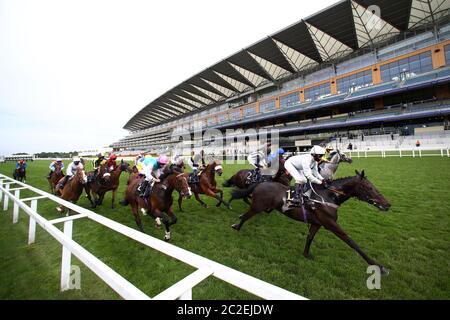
(304, 169)
(259, 159)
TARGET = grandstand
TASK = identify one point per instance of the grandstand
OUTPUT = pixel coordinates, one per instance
(345, 74)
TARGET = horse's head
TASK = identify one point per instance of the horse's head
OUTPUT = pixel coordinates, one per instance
(81, 176)
(344, 158)
(58, 167)
(125, 166)
(182, 185)
(217, 167)
(366, 191)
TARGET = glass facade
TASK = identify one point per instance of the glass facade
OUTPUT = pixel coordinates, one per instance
(250, 111)
(317, 92)
(406, 68)
(211, 121)
(267, 106)
(290, 100)
(222, 118)
(355, 81)
(235, 115)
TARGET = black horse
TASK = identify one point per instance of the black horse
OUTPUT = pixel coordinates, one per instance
(269, 196)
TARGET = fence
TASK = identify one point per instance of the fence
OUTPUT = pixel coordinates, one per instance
(385, 153)
(11, 189)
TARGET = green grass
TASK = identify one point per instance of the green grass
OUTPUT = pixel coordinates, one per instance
(412, 240)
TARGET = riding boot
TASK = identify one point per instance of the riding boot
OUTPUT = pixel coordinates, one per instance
(297, 199)
(142, 187)
(148, 190)
(66, 178)
(49, 176)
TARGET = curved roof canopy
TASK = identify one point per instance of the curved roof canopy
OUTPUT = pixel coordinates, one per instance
(347, 26)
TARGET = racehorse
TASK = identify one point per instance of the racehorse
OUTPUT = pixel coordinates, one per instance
(160, 200)
(207, 185)
(244, 190)
(271, 196)
(72, 189)
(328, 169)
(99, 189)
(55, 177)
(20, 174)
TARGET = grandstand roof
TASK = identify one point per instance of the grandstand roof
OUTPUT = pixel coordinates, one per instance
(332, 33)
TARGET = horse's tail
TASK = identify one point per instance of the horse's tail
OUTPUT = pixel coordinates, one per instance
(229, 183)
(243, 193)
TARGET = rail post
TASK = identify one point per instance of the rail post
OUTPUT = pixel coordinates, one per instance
(6, 198)
(448, 153)
(401, 152)
(1, 191)
(66, 258)
(442, 152)
(32, 226)
(16, 207)
(420, 153)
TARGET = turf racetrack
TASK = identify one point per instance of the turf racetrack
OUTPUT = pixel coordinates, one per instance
(412, 240)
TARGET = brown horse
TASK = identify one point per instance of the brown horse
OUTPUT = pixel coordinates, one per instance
(244, 190)
(72, 189)
(270, 196)
(55, 177)
(99, 189)
(160, 200)
(207, 185)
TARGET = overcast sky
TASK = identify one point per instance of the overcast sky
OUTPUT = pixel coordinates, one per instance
(72, 73)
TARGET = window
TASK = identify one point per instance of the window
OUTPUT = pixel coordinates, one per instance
(211, 121)
(354, 81)
(289, 100)
(250, 111)
(408, 67)
(267, 106)
(447, 54)
(317, 92)
(235, 115)
(223, 118)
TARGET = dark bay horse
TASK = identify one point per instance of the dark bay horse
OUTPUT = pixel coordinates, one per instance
(270, 196)
(72, 189)
(244, 191)
(55, 177)
(20, 174)
(207, 185)
(160, 200)
(98, 189)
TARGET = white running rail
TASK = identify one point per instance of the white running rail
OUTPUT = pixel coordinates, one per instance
(181, 290)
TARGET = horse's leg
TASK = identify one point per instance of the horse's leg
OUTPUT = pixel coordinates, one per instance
(197, 197)
(248, 215)
(114, 192)
(312, 233)
(172, 216)
(165, 220)
(180, 201)
(334, 227)
(134, 210)
(88, 196)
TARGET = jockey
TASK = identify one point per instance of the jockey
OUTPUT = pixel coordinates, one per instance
(111, 164)
(327, 156)
(195, 166)
(258, 159)
(279, 154)
(150, 166)
(97, 163)
(21, 163)
(303, 168)
(71, 171)
(53, 168)
(138, 158)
